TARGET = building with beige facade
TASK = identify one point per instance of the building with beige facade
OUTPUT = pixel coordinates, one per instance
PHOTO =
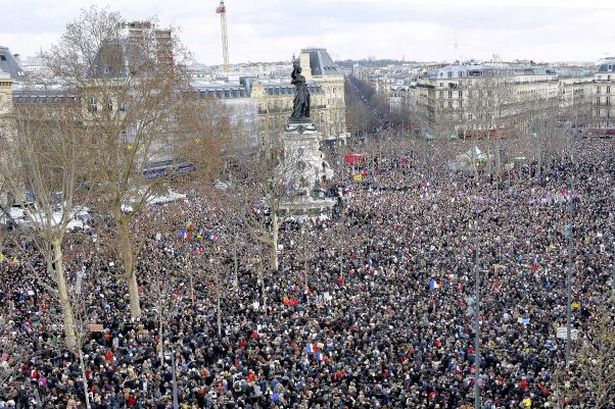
(476, 99)
(271, 100)
(10, 71)
(604, 95)
(473, 99)
(328, 107)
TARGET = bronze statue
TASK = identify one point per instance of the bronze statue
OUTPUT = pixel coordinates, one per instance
(301, 103)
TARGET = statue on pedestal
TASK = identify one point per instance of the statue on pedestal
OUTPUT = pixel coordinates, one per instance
(301, 103)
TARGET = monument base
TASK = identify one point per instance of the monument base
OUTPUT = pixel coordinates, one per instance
(306, 169)
(306, 207)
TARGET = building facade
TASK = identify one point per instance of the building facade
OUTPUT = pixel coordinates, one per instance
(327, 104)
(604, 93)
(475, 99)
(271, 100)
(10, 71)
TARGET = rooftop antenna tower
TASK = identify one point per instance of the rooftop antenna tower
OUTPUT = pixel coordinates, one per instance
(221, 9)
(456, 45)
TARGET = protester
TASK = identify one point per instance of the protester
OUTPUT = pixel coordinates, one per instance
(386, 319)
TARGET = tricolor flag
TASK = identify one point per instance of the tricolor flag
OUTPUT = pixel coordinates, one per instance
(199, 251)
(433, 284)
(320, 356)
(535, 265)
(309, 348)
(565, 192)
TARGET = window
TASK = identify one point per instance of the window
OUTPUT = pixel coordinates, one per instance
(608, 89)
(608, 101)
(450, 74)
(109, 105)
(470, 117)
(598, 89)
(450, 104)
(2, 57)
(460, 94)
(450, 94)
(92, 105)
(460, 104)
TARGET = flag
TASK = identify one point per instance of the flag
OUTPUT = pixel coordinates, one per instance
(309, 348)
(320, 356)
(199, 251)
(433, 284)
(535, 265)
(565, 191)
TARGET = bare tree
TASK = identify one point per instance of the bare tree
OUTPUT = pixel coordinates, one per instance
(596, 358)
(135, 96)
(51, 148)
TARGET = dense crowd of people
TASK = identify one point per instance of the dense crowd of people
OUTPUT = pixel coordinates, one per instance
(373, 307)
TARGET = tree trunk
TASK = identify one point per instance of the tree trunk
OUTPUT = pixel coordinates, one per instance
(498, 159)
(305, 276)
(235, 268)
(261, 279)
(540, 148)
(85, 380)
(57, 271)
(275, 231)
(129, 273)
(161, 334)
(489, 165)
(219, 308)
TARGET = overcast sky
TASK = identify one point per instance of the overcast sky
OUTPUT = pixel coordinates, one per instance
(272, 30)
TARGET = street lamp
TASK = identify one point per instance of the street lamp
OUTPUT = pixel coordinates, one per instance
(568, 229)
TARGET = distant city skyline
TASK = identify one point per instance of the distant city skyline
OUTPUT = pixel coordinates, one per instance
(274, 30)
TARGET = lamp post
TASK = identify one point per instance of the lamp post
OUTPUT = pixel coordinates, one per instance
(173, 372)
(476, 321)
(568, 231)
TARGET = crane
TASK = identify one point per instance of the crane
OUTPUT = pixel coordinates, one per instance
(221, 9)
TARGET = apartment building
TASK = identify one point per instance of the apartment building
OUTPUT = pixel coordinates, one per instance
(604, 94)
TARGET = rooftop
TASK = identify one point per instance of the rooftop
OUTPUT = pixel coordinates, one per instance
(488, 68)
(9, 65)
(321, 62)
(606, 65)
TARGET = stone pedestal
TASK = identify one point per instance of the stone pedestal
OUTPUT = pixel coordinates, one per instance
(305, 168)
